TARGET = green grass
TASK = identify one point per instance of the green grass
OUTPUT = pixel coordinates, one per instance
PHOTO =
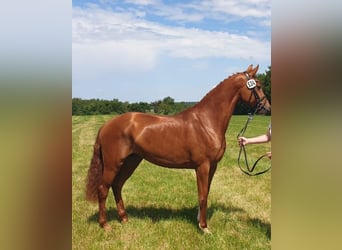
(162, 203)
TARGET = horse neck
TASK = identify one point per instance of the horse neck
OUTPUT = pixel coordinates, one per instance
(217, 107)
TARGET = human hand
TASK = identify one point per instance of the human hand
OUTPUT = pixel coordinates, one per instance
(242, 141)
(269, 155)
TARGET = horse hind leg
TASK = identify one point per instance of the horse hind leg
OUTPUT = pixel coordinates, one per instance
(102, 197)
(110, 171)
(129, 165)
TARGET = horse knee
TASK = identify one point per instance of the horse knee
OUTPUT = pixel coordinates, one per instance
(202, 202)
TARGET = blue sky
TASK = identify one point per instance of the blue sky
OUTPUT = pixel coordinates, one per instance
(145, 50)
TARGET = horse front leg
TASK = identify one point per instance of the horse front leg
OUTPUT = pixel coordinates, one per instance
(202, 175)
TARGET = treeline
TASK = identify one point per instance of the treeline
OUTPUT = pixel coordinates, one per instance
(166, 106)
(96, 106)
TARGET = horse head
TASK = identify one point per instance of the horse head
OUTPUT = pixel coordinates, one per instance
(251, 91)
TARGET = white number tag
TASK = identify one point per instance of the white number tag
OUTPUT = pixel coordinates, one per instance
(251, 84)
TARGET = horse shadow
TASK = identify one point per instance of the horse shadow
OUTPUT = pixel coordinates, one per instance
(156, 214)
(189, 214)
(262, 226)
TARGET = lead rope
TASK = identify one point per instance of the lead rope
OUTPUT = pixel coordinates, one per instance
(242, 148)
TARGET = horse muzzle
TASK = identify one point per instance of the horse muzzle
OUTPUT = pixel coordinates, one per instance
(263, 108)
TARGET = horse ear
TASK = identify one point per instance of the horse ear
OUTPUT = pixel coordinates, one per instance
(250, 67)
(254, 71)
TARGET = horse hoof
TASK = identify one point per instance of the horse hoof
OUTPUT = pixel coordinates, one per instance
(107, 227)
(124, 218)
(205, 230)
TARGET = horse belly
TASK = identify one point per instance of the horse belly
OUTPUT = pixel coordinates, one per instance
(170, 163)
(164, 149)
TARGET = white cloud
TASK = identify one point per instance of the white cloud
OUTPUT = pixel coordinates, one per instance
(113, 56)
(143, 2)
(115, 41)
(245, 8)
(216, 9)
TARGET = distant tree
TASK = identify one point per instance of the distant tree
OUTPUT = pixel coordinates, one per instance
(165, 107)
(267, 84)
(76, 106)
(179, 106)
(104, 107)
(119, 107)
(139, 107)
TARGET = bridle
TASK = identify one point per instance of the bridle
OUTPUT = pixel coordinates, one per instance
(251, 85)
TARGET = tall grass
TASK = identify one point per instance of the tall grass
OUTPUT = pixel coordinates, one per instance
(162, 203)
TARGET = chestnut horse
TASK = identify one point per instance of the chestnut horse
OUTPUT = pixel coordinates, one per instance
(192, 139)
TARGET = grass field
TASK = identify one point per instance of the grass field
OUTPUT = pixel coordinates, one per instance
(162, 203)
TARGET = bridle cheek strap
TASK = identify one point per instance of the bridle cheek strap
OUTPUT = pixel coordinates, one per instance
(259, 105)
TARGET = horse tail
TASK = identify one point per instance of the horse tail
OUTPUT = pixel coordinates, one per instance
(95, 172)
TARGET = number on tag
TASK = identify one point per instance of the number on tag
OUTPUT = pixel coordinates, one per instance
(251, 84)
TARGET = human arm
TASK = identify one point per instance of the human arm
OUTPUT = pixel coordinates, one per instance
(255, 140)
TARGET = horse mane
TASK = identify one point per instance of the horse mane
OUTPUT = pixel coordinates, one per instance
(214, 89)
